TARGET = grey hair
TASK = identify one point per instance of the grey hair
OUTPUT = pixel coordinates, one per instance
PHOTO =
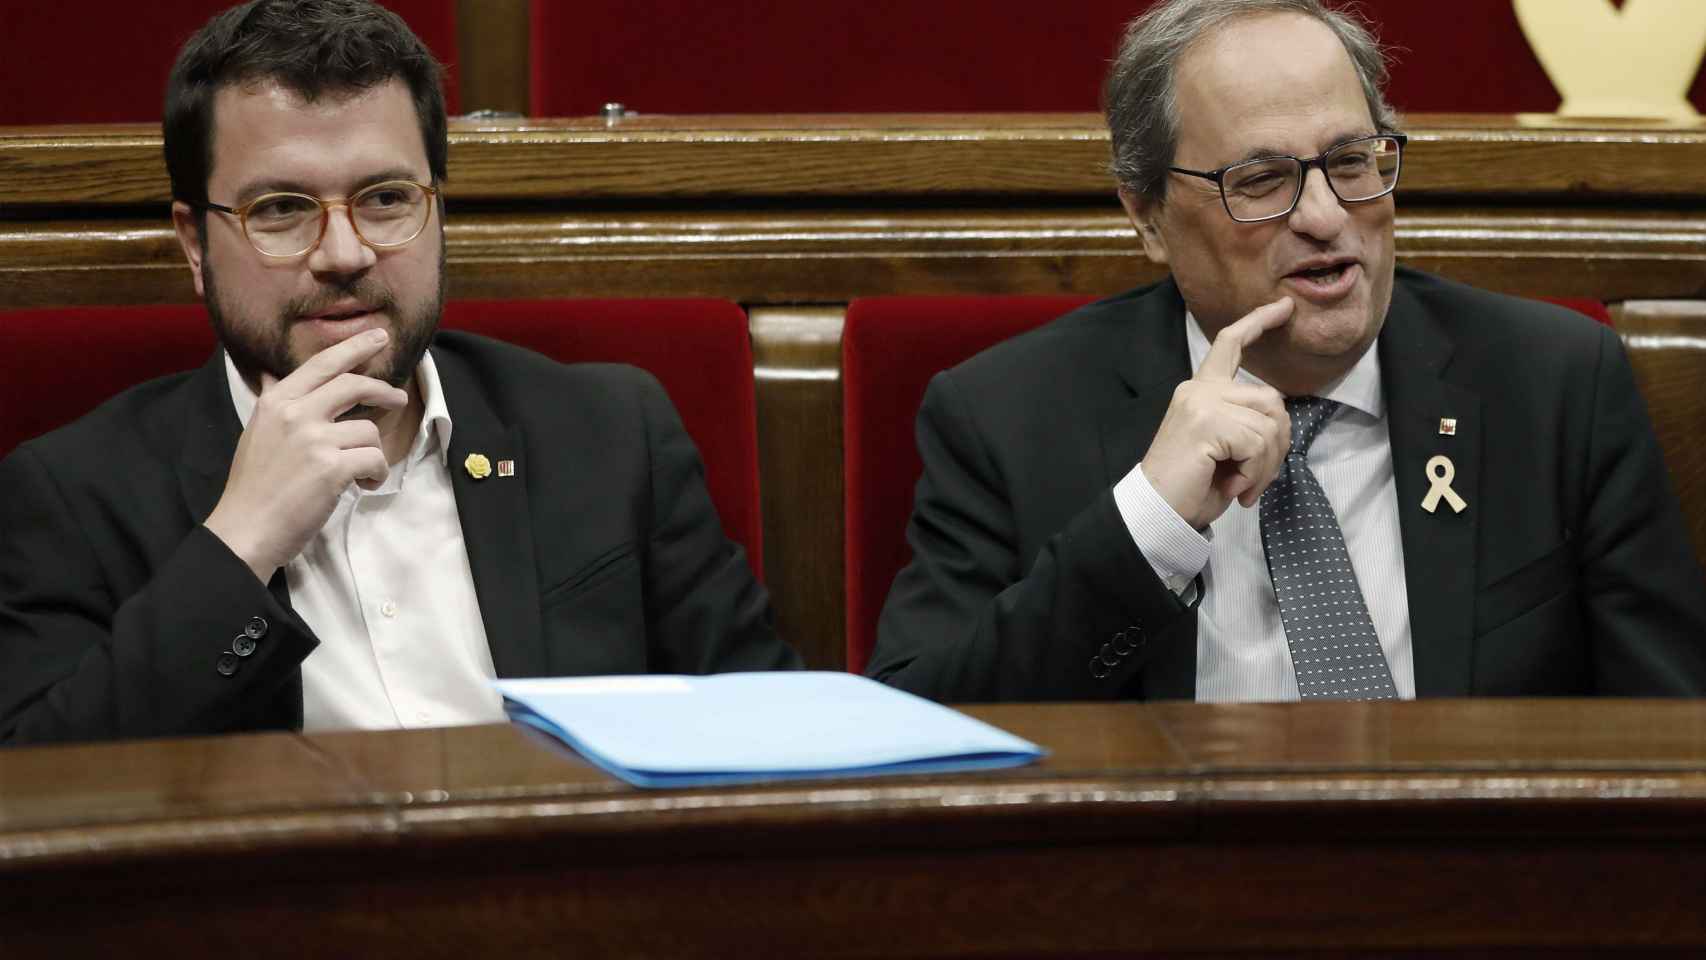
(1140, 98)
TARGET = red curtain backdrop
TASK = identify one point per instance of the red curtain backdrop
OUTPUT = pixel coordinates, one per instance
(784, 56)
(105, 61)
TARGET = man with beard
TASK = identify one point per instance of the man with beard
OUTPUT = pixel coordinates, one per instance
(346, 519)
(1290, 470)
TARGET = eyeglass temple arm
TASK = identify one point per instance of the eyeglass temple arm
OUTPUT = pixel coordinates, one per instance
(1212, 176)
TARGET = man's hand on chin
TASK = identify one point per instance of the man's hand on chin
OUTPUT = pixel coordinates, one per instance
(1221, 441)
(298, 453)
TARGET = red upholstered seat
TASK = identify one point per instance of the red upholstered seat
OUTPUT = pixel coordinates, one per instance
(698, 349)
(58, 364)
(890, 348)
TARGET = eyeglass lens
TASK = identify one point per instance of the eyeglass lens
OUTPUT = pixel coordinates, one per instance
(1359, 170)
(385, 214)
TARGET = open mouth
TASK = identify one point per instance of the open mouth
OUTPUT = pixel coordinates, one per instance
(1324, 274)
(1325, 284)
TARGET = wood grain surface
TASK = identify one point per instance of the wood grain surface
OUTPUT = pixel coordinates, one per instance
(1666, 340)
(896, 155)
(806, 256)
(1427, 828)
(796, 353)
(820, 209)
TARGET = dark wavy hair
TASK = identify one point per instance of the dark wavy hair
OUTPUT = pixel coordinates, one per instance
(310, 47)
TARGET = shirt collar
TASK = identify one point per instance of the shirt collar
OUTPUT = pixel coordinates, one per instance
(1358, 389)
(435, 417)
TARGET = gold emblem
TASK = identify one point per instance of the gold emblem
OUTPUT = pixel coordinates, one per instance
(477, 466)
(1448, 426)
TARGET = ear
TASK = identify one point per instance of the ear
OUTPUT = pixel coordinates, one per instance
(1145, 217)
(189, 237)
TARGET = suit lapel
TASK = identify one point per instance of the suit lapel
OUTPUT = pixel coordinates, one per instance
(1150, 359)
(209, 448)
(209, 442)
(1439, 547)
(496, 523)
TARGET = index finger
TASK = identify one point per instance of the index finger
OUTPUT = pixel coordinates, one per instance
(1227, 351)
(339, 358)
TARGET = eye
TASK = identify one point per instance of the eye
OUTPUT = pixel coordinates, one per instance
(1353, 161)
(281, 207)
(1255, 183)
(386, 197)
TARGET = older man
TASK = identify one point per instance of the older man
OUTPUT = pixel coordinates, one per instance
(345, 519)
(1290, 470)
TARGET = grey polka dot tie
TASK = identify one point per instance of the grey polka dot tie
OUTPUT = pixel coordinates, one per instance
(1333, 647)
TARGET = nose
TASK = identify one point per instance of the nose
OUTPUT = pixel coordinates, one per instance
(341, 250)
(1318, 213)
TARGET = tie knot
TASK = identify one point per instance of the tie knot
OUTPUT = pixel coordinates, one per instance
(1308, 416)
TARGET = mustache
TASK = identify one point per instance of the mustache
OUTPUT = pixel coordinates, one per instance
(373, 296)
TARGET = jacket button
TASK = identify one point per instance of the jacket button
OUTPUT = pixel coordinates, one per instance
(1098, 669)
(227, 664)
(1120, 645)
(256, 628)
(243, 645)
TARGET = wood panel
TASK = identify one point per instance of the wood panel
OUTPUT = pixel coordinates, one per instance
(796, 354)
(831, 255)
(493, 50)
(788, 210)
(1433, 828)
(1666, 340)
(888, 155)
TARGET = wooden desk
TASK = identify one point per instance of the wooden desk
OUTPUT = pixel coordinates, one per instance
(1413, 828)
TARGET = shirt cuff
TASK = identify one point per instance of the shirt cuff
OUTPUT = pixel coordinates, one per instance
(1175, 550)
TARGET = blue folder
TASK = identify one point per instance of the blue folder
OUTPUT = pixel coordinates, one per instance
(680, 731)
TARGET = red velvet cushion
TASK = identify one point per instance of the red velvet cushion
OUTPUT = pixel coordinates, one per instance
(890, 348)
(107, 63)
(699, 349)
(58, 364)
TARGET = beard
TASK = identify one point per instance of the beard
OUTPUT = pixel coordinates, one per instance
(259, 345)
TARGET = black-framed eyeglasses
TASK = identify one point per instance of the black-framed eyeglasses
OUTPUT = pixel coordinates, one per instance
(1269, 187)
(387, 214)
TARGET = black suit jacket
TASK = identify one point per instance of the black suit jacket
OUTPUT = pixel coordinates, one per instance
(1569, 573)
(603, 554)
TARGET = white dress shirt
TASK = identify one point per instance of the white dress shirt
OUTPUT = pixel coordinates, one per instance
(1241, 648)
(386, 587)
